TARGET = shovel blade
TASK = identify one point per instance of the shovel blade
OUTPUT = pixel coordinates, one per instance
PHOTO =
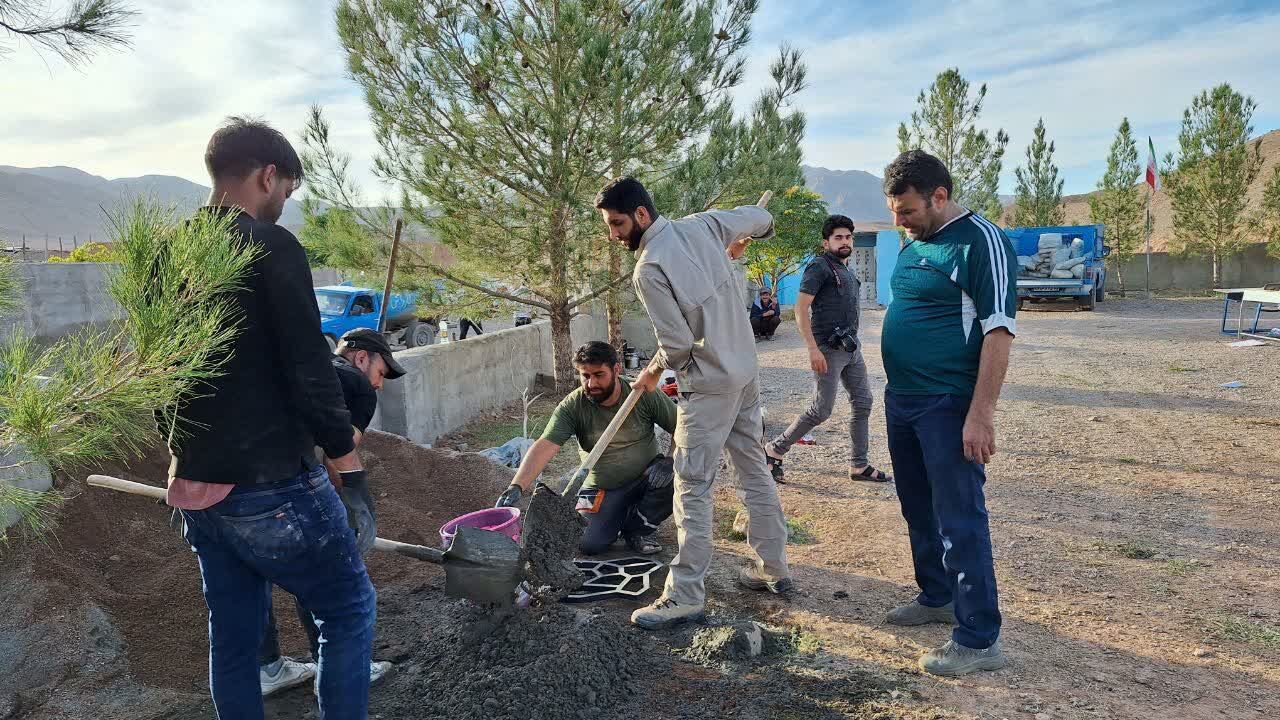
(483, 566)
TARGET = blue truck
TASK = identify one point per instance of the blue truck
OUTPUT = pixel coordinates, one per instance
(1060, 263)
(346, 307)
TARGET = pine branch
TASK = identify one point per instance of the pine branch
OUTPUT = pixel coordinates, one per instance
(86, 26)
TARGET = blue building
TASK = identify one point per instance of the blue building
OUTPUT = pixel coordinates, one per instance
(874, 255)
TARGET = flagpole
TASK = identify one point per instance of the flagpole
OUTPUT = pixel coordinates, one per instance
(1153, 182)
(1150, 193)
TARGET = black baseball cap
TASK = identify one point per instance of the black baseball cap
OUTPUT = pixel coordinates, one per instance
(372, 341)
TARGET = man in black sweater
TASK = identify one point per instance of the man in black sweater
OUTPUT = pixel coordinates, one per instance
(257, 505)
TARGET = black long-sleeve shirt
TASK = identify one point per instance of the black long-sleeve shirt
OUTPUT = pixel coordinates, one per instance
(278, 395)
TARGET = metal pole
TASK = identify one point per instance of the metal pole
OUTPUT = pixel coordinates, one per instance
(1150, 193)
(391, 271)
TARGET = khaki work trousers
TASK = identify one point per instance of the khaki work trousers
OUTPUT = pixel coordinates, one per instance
(705, 426)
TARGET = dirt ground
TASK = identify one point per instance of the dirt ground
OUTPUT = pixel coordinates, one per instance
(1134, 518)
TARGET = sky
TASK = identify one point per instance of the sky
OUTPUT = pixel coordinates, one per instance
(1081, 65)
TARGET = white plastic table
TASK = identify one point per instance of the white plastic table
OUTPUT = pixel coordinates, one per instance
(1258, 296)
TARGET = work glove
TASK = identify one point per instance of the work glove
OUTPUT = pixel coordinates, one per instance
(355, 497)
(509, 497)
(660, 473)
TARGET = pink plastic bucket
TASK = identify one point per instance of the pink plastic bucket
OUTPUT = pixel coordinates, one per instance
(505, 520)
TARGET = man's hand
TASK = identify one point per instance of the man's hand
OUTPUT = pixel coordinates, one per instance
(817, 361)
(510, 497)
(355, 497)
(767, 313)
(979, 436)
(647, 380)
(346, 463)
(737, 247)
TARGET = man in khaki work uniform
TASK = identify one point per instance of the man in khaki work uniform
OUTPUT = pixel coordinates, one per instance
(686, 282)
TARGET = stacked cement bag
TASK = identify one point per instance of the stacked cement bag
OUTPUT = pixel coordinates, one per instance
(1069, 261)
(1053, 259)
(1042, 263)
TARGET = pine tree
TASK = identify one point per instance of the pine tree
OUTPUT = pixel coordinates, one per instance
(742, 157)
(1269, 217)
(92, 396)
(945, 125)
(1207, 184)
(1118, 203)
(502, 119)
(1039, 190)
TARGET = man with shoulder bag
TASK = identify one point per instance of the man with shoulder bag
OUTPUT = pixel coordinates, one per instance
(827, 317)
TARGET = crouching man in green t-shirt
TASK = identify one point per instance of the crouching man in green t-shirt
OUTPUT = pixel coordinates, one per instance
(629, 492)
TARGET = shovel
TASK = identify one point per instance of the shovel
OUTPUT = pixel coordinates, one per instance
(479, 565)
(552, 528)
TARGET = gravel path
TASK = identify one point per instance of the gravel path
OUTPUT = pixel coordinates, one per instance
(1134, 516)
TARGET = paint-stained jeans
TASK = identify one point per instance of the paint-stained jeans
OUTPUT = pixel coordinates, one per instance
(946, 512)
(292, 533)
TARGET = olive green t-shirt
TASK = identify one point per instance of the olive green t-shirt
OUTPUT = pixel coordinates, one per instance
(633, 447)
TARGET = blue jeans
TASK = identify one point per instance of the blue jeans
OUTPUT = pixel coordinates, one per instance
(294, 534)
(946, 513)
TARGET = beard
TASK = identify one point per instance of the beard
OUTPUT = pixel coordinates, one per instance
(842, 253)
(272, 211)
(634, 237)
(599, 395)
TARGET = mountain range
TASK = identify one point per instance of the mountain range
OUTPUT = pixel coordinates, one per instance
(855, 193)
(69, 203)
(66, 202)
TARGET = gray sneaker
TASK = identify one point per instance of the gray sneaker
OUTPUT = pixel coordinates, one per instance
(916, 614)
(666, 613)
(752, 578)
(953, 659)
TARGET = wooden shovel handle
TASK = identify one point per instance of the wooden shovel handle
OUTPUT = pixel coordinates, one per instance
(420, 552)
(128, 486)
(602, 444)
(764, 199)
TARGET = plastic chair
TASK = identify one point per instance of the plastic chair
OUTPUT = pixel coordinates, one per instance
(1257, 316)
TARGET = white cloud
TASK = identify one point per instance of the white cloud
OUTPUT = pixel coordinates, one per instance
(150, 109)
(1081, 66)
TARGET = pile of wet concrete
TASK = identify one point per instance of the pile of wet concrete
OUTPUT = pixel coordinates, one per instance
(553, 663)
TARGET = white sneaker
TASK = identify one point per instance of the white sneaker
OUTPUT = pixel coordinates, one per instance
(289, 673)
(378, 670)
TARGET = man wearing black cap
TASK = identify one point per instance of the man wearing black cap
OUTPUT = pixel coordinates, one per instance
(362, 361)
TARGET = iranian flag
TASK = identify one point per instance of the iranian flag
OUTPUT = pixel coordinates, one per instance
(1153, 179)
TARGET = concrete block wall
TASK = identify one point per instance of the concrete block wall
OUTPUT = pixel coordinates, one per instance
(447, 385)
(1251, 268)
(61, 298)
(18, 470)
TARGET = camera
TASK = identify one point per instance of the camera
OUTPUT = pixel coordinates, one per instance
(843, 339)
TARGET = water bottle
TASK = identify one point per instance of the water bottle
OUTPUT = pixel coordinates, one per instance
(444, 331)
